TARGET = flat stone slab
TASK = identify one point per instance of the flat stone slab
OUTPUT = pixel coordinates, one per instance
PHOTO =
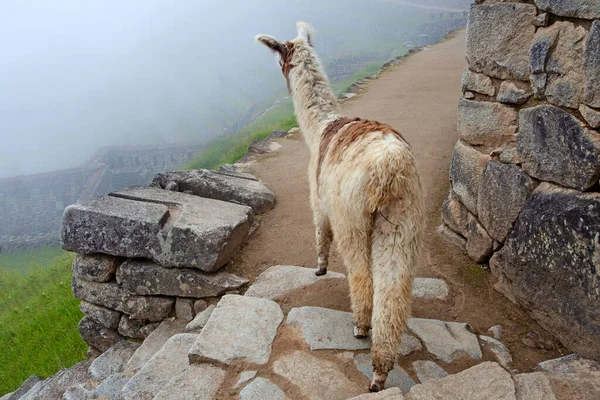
(533, 386)
(171, 228)
(220, 186)
(113, 360)
(198, 382)
(487, 381)
(23, 389)
(429, 289)
(55, 386)
(169, 361)
(448, 341)
(397, 377)
(200, 320)
(240, 327)
(153, 343)
(409, 344)
(388, 394)
(282, 279)
(145, 277)
(500, 351)
(262, 389)
(324, 328)
(316, 378)
(428, 370)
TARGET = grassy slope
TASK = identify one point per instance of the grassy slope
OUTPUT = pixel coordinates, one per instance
(38, 317)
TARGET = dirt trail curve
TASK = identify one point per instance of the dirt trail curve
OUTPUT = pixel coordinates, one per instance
(419, 98)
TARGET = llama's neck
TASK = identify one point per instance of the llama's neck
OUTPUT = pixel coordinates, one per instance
(314, 100)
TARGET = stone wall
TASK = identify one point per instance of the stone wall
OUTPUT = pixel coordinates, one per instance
(525, 171)
(31, 206)
(148, 253)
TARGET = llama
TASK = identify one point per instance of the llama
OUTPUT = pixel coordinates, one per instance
(364, 191)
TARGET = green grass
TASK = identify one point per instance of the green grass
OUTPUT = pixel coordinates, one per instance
(38, 317)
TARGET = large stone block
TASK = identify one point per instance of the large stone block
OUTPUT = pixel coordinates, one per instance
(147, 278)
(476, 82)
(554, 146)
(486, 123)
(556, 62)
(95, 267)
(550, 261)
(454, 214)
(498, 36)
(466, 169)
(506, 190)
(96, 335)
(220, 186)
(104, 316)
(589, 9)
(113, 296)
(591, 66)
(479, 243)
(513, 92)
(173, 229)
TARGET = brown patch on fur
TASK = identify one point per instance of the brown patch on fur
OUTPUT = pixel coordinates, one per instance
(286, 62)
(330, 131)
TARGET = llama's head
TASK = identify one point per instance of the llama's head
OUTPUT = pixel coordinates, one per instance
(290, 53)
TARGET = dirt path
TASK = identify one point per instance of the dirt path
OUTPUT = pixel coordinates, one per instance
(419, 98)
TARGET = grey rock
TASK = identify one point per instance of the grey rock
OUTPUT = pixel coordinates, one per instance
(496, 331)
(409, 344)
(135, 328)
(77, 392)
(487, 380)
(479, 243)
(486, 123)
(245, 377)
(110, 388)
(576, 377)
(95, 267)
(447, 341)
(591, 116)
(513, 92)
(533, 386)
(554, 146)
(147, 278)
(429, 289)
(509, 155)
(314, 377)
(324, 328)
(198, 382)
(153, 343)
(262, 389)
(102, 315)
(589, 9)
(507, 189)
(236, 171)
(113, 296)
(556, 62)
(561, 365)
(397, 377)
(452, 237)
(113, 360)
(466, 169)
(218, 186)
(428, 370)
(169, 361)
(97, 335)
(200, 320)
(468, 95)
(476, 82)
(239, 328)
(282, 279)
(199, 306)
(55, 386)
(454, 214)
(541, 19)
(500, 351)
(24, 388)
(184, 308)
(498, 37)
(388, 394)
(591, 66)
(553, 274)
(173, 229)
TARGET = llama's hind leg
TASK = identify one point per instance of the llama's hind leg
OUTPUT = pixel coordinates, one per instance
(324, 237)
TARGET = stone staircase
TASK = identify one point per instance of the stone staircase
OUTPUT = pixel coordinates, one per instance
(245, 347)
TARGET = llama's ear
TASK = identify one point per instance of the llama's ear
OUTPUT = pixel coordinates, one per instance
(271, 43)
(305, 31)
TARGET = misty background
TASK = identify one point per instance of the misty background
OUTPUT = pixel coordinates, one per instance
(77, 75)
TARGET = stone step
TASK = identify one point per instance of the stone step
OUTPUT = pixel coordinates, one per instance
(173, 229)
(239, 328)
(219, 186)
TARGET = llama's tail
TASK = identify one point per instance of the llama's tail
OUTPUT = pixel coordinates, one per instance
(396, 200)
